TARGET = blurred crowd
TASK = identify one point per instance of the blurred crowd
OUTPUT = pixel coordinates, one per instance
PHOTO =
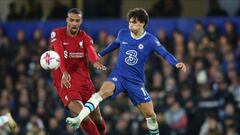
(26, 10)
(34, 9)
(205, 100)
(215, 8)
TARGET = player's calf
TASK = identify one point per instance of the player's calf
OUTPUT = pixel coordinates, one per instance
(89, 127)
(101, 126)
(99, 121)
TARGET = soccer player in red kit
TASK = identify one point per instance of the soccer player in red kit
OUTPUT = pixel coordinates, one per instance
(72, 79)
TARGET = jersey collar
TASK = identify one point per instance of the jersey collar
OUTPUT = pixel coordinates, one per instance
(139, 37)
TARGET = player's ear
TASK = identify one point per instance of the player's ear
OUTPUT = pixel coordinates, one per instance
(81, 20)
(66, 19)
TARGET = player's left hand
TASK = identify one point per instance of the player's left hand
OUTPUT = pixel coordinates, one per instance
(99, 65)
(181, 66)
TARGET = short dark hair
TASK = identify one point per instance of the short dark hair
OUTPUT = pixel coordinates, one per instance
(140, 14)
(75, 11)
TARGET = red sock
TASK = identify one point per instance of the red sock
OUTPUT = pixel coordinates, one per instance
(102, 127)
(89, 127)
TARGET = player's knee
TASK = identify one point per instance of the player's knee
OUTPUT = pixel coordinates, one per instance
(108, 94)
(85, 120)
(105, 93)
(75, 107)
(107, 89)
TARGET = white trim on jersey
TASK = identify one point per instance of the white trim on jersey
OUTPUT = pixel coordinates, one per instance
(139, 37)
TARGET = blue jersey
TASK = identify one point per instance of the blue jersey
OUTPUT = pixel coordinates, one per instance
(134, 53)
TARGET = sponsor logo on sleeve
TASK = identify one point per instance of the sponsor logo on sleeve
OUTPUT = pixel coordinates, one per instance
(53, 34)
(158, 43)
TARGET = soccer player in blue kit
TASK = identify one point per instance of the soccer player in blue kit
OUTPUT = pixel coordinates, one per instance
(136, 45)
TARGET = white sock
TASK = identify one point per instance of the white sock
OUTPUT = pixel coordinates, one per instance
(3, 120)
(152, 125)
(90, 105)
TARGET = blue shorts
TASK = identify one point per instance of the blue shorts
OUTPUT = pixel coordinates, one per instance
(136, 92)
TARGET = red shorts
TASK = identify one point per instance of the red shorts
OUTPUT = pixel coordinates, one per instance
(82, 93)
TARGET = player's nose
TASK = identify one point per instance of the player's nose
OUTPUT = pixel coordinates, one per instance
(74, 23)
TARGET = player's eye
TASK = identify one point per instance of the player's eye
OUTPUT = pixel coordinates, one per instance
(77, 20)
(71, 20)
(133, 21)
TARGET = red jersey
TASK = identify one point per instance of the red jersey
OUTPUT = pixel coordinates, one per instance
(73, 52)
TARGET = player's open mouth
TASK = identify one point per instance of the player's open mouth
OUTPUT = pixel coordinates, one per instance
(74, 29)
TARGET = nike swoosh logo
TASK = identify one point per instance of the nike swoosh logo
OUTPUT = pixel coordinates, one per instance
(64, 43)
(124, 43)
(146, 98)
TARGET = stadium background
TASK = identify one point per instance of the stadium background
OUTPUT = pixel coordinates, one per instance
(202, 33)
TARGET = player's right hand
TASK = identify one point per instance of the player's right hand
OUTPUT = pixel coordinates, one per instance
(66, 78)
(181, 66)
(99, 65)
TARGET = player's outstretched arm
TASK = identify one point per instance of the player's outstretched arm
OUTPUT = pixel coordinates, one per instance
(92, 55)
(94, 58)
(169, 57)
(111, 47)
(181, 66)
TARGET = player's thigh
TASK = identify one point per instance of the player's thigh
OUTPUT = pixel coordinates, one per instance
(147, 109)
(96, 115)
(71, 99)
(86, 92)
(75, 106)
(137, 93)
(107, 89)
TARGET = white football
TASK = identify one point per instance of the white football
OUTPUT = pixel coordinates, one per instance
(50, 60)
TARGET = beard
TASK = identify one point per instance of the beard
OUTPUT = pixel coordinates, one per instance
(74, 30)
